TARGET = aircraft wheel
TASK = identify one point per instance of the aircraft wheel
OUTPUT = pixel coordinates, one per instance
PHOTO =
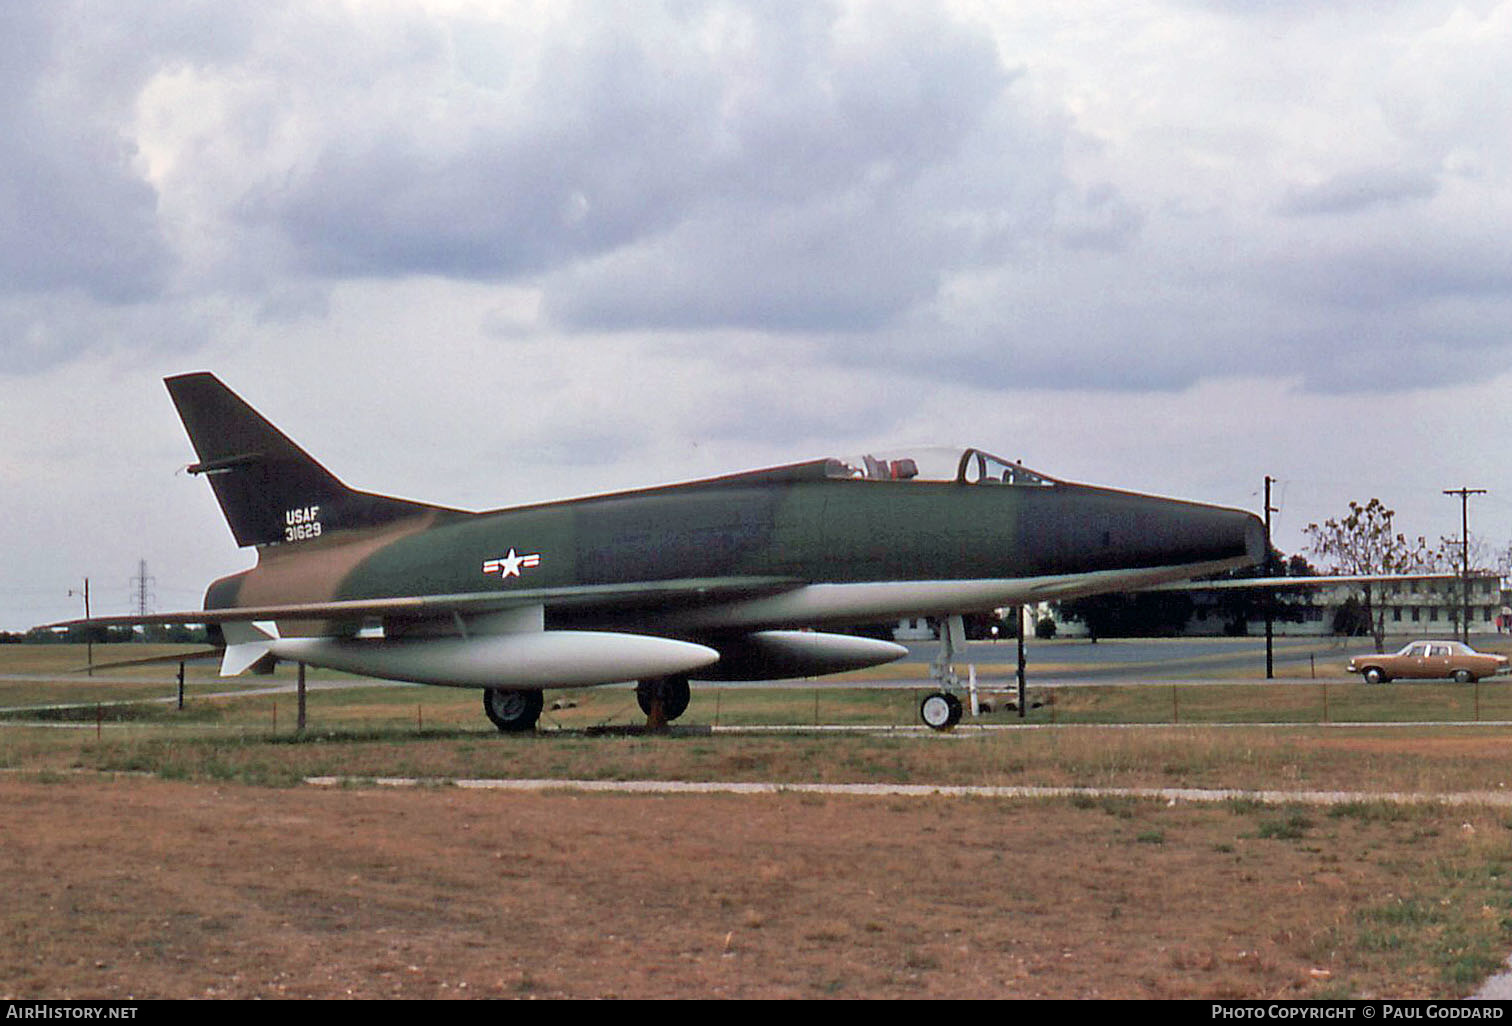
(1464, 677)
(674, 692)
(513, 711)
(940, 711)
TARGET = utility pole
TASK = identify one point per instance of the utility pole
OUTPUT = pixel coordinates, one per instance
(1464, 494)
(89, 639)
(1270, 596)
(1023, 693)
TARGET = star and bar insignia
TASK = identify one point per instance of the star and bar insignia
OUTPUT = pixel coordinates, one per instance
(512, 564)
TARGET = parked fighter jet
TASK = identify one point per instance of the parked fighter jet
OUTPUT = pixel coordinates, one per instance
(720, 579)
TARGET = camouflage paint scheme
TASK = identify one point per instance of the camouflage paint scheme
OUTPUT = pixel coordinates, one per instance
(710, 561)
(756, 533)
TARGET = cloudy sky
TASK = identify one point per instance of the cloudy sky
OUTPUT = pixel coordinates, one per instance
(486, 252)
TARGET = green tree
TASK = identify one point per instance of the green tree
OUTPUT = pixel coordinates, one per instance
(1238, 606)
(1350, 619)
(1146, 614)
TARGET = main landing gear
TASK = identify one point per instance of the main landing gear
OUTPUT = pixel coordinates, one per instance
(663, 699)
(513, 711)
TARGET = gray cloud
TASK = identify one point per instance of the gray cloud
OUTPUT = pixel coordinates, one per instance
(1357, 191)
(785, 175)
(38, 331)
(74, 213)
(497, 184)
(871, 183)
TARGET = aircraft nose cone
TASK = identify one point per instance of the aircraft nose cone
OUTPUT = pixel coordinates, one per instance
(1216, 532)
(1254, 539)
(1152, 531)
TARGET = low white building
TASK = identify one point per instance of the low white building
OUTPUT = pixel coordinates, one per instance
(1430, 606)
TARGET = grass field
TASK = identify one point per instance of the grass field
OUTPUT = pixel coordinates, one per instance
(1087, 895)
(1239, 735)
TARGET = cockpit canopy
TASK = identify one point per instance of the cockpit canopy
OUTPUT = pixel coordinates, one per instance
(938, 463)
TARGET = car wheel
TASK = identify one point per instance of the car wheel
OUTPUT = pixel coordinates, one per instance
(1464, 677)
(1375, 676)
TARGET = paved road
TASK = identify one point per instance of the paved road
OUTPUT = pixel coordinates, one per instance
(1164, 659)
(1118, 654)
(1170, 795)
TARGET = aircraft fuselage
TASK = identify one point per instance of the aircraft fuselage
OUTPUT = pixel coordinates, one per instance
(873, 549)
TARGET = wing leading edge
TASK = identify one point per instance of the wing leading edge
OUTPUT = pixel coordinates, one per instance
(356, 611)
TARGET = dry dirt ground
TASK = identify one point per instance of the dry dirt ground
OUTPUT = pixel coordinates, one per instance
(131, 887)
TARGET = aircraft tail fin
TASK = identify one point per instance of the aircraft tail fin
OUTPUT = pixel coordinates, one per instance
(270, 490)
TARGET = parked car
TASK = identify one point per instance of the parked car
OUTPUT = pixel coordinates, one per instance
(1431, 660)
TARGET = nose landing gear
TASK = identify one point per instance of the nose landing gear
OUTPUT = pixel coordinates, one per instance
(940, 710)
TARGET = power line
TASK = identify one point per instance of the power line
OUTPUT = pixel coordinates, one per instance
(1464, 494)
(141, 586)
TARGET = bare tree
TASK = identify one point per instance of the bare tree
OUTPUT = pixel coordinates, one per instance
(1367, 542)
(1501, 561)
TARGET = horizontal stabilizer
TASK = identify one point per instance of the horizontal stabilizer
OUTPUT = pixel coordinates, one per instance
(167, 658)
(239, 658)
(246, 643)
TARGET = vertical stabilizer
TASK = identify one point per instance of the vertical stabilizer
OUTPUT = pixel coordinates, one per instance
(270, 490)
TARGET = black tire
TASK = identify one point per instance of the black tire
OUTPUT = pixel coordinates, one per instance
(1464, 677)
(1373, 675)
(940, 711)
(675, 695)
(513, 711)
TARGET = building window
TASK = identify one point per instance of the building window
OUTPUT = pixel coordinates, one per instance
(1417, 614)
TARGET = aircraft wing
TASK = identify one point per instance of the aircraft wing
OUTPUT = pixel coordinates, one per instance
(605, 596)
(1319, 581)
